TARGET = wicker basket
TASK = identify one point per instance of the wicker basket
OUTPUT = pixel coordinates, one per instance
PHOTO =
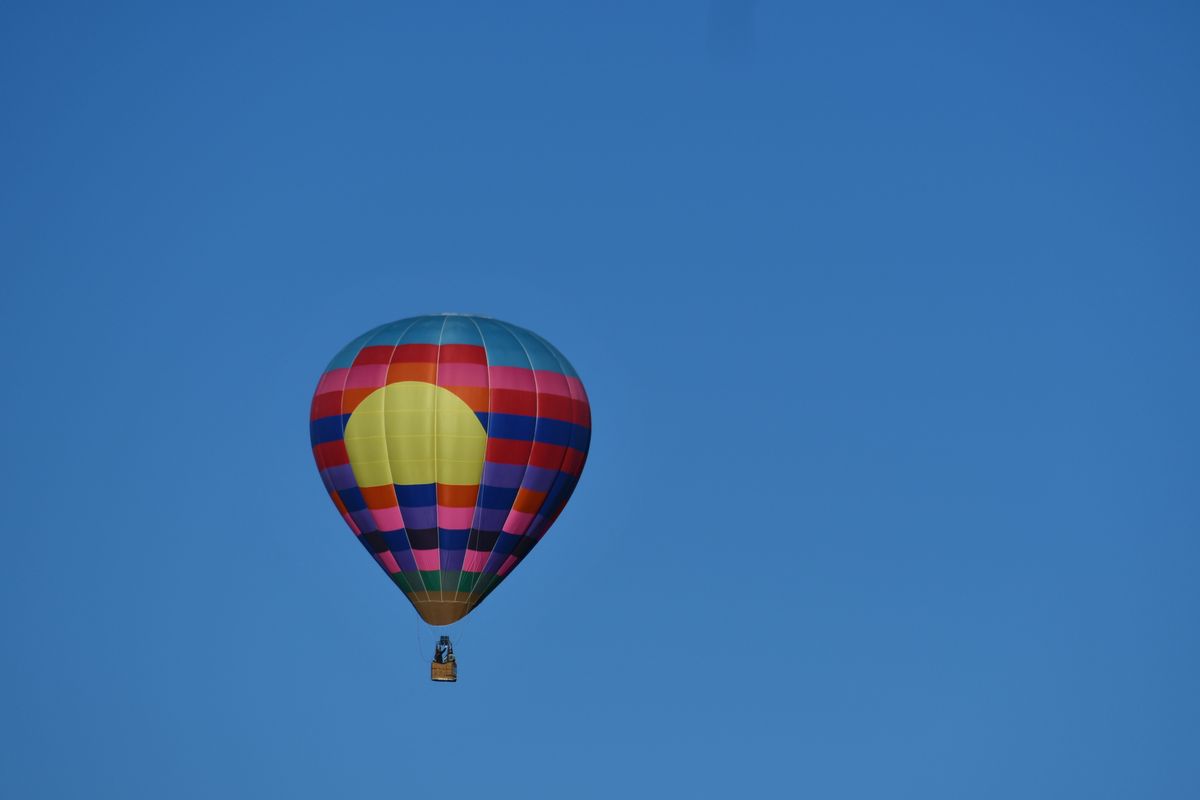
(444, 672)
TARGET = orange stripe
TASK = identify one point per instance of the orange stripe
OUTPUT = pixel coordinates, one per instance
(449, 494)
(411, 371)
(379, 497)
(474, 396)
(352, 398)
(528, 502)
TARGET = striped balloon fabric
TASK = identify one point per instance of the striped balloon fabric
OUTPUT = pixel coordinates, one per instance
(450, 444)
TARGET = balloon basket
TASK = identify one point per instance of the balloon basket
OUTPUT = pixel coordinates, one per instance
(444, 672)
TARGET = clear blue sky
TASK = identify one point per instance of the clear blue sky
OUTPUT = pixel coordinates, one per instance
(890, 318)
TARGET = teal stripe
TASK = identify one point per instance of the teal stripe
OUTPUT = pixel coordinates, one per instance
(461, 330)
(345, 356)
(564, 366)
(425, 330)
(389, 335)
(506, 345)
(541, 354)
(503, 349)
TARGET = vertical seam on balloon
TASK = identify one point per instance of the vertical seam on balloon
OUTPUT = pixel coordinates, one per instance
(537, 408)
(487, 433)
(555, 355)
(388, 455)
(437, 402)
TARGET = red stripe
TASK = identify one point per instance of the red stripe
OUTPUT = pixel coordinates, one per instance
(530, 404)
(426, 353)
(508, 451)
(513, 401)
(328, 404)
(376, 354)
(573, 461)
(547, 456)
(331, 454)
(553, 406)
(463, 354)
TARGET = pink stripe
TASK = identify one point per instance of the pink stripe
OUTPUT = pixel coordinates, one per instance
(507, 566)
(388, 519)
(577, 388)
(389, 562)
(511, 378)
(453, 374)
(332, 381)
(547, 381)
(517, 522)
(455, 518)
(367, 376)
(427, 560)
(475, 560)
(554, 383)
(353, 525)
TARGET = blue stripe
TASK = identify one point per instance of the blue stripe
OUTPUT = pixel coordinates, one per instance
(554, 431)
(327, 429)
(421, 494)
(511, 426)
(506, 543)
(499, 426)
(453, 540)
(352, 499)
(397, 541)
(496, 497)
(535, 429)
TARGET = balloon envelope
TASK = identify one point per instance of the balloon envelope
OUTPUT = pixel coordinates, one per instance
(450, 444)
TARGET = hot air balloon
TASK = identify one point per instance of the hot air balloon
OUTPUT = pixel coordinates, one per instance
(449, 444)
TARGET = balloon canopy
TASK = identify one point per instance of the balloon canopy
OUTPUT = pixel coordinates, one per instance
(450, 444)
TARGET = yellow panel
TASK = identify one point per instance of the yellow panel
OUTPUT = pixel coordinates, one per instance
(457, 448)
(409, 473)
(372, 473)
(463, 473)
(413, 433)
(411, 448)
(367, 448)
(454, 424)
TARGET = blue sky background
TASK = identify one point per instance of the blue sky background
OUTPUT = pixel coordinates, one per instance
(890, 319)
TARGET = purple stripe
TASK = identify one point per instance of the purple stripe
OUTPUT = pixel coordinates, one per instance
(490, 519)
(494, 562)
(452, 560)
(539, 479)
(537, 528)
(504, 476)
(364, 519)
(419, 517)
(341, 476)
(406, 561)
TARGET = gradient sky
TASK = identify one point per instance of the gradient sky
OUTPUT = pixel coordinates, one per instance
(890, 318)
